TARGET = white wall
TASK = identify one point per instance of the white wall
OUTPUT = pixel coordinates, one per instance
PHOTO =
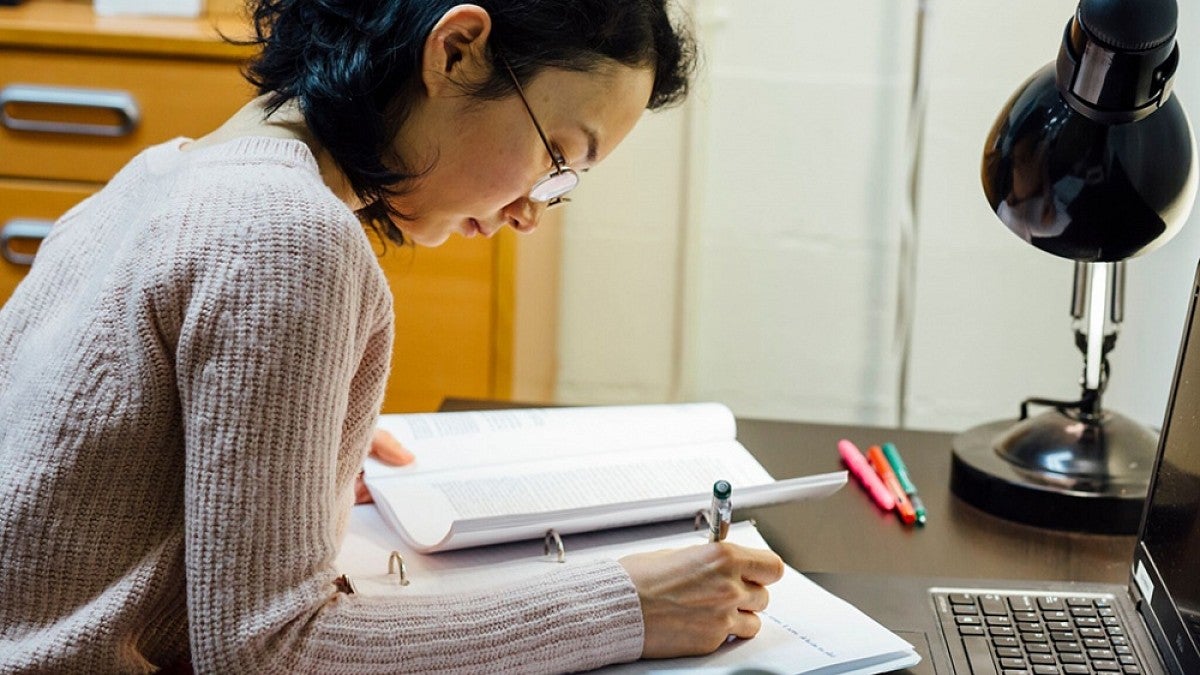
(747, 248)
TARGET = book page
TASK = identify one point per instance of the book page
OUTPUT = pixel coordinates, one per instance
(457, 439)
(805, 628)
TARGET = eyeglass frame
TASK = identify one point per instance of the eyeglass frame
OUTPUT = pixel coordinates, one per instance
(560, 166)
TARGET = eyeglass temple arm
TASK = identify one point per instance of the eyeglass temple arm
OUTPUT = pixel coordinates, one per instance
(525, 101)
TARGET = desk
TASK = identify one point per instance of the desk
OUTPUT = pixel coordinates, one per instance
(846, 533)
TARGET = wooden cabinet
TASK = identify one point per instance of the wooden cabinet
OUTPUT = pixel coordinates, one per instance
(83, 94)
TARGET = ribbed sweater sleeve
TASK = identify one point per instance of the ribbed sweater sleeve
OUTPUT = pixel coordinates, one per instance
(189, 377)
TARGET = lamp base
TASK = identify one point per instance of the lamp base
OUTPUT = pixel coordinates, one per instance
(1056, 471)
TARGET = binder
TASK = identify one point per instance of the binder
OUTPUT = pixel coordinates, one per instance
(805, 628)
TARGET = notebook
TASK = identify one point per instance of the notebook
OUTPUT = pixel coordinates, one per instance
(1150, 625)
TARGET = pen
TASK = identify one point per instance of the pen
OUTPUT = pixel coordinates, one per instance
(722, 511)
(910, 489)
(880, 463)
(862, 471)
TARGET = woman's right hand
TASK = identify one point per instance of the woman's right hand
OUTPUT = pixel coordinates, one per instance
(694, 598)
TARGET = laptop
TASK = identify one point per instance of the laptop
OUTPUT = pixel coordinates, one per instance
(1150, 625)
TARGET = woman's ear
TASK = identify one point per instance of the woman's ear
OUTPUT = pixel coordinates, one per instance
(455, 53)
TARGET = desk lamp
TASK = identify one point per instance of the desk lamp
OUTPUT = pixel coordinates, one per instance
(1093, 160)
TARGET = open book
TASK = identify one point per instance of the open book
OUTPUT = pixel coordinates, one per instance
(505, 475)
(805, 629)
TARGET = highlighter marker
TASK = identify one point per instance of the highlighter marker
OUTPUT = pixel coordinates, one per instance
(910, 489)
(881, 466)
(857, 464)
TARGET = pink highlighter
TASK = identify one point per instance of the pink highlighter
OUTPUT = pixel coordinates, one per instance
(857, 463)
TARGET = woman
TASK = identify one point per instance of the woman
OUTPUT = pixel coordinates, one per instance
(190, 374)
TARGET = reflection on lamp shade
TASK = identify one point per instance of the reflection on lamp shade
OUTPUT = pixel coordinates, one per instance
(1084, 190)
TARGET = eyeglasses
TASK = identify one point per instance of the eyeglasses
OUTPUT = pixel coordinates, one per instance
(549, 189)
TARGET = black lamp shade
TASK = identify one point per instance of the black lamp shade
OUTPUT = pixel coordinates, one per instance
(1085, 190)
(1093, 158)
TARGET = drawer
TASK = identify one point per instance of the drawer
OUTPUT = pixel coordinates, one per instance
(99, 96)
(36, 202)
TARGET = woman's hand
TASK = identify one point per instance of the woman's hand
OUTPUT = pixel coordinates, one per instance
(694, 598)
(386, 448)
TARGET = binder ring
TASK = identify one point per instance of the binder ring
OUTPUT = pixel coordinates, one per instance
(396, 563)
(552, 535)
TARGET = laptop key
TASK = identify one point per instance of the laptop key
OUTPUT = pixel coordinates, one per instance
(1076, 669)
(1091, 633)
(1038, 648)
(1127, 659)
(1003, 641)
(1029, 627)
(1001, 630)
(1062, 635)
(1010, 664)
(1045, 670)
(962, 599)
(979, 655)
(1050, 602)
(1079, 602)
(1055, 615)
(1068, 647)
(1072, 658)
(1041, 658)
(965, 620)
(999, 621)
(963, 609)
(1101, 654)
(993, 605)
(1107, 666)
(1008, 652)
(1025, 616)
(970, 630)
(1121, 647)
(1132, 670)
(1095, 643)
(1020, 603)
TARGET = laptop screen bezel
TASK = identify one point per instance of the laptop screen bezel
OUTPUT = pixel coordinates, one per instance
(1162, 618)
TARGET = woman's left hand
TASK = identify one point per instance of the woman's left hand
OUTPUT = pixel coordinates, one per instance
(386, 448)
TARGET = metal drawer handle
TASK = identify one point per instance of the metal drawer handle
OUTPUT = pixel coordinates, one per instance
(119, 102)
(22, 228)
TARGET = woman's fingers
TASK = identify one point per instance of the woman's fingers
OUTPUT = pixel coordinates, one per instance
(694, 598)
(387, 449)
(361, 494)
(746, 625)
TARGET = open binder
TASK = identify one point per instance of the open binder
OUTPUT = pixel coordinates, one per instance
(806, 629)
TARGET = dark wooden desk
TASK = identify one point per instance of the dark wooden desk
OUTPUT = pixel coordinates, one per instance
(847, 533)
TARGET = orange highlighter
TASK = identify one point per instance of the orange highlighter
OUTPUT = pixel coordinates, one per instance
(884, 469)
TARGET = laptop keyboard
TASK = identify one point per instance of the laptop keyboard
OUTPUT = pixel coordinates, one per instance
(1037, 634)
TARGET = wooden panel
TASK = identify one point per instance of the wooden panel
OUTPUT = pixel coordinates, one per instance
(176, 98)
(445, 323)
(71, 25)
(33, 199)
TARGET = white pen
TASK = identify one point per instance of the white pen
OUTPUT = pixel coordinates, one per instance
(722, 511)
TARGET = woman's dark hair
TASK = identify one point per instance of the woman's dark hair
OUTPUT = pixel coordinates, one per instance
(351, 65)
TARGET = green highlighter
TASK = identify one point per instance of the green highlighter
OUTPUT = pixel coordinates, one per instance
(901, 471)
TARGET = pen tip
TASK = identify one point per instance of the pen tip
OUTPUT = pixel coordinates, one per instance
(921, 520)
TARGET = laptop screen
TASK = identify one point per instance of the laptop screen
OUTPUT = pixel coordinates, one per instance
(1170, 540)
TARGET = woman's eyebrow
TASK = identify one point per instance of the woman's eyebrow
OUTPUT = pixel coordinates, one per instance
(592, 144)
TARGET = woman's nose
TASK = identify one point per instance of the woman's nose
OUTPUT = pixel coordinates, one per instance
(524, 214)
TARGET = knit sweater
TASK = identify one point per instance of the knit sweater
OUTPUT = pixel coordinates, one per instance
(189, 377)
